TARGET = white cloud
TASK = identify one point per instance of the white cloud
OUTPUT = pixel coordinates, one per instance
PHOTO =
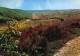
(55, 4)
(75, 4)
(37, 7)
(11, 3)
(48, 4)
(62, 4)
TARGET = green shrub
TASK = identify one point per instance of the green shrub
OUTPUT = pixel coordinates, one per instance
(9, 43)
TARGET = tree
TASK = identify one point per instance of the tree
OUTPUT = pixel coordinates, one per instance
(52, 33)
(9, 43)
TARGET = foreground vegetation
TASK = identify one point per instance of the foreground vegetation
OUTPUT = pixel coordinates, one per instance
(26, 38)
(20, 35)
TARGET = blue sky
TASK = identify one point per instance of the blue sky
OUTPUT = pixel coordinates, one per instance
(41, 4)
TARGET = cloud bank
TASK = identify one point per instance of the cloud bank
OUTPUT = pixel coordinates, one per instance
(58, 4)
(11, 3)
(41, 4)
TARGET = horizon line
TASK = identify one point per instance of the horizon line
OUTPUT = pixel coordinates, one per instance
(41, 9)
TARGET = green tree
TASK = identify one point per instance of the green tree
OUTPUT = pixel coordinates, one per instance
(9, 43)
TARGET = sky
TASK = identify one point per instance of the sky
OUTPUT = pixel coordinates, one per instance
(40, 4)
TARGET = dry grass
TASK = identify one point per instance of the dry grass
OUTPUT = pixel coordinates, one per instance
(3, 28)
(71, 48)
